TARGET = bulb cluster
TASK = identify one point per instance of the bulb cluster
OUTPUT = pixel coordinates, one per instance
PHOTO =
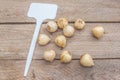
(86, 60)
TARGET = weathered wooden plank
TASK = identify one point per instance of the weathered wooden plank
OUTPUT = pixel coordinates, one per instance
(15, 41)
(42, 70)
(89, 10)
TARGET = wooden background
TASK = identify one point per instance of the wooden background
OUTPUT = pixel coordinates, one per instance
(16, 31)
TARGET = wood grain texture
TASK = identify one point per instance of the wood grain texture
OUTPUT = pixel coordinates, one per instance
(15, 41)
(42, 70)
(16, 31)
(89, 10)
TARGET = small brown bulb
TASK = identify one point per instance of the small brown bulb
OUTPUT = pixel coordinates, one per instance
(68, 31)
(49, 55)
(65, 57)
(98, 31)
(62, 22)
(43, 39)
(86, 60)
(60, 41)
(79, 24)
(52, 26)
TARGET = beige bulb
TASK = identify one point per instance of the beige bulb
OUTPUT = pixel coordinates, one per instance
(98, 31)
(52, 26)
(60, 41)
(79, 24)
(68, 31)
(86, 60)
(49, 55)
(62, 22)
(65, 57)
(43, 39)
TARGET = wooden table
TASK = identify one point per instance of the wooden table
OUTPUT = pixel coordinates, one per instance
(16, 31)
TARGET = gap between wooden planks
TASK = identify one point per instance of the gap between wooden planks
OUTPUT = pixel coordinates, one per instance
(15, 41)
(42, 70)
(88, 10)
(20, 23)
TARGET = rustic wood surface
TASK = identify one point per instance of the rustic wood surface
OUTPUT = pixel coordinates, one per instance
(89, 10)
(42, 70)
(16, 31)
(15, 41)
